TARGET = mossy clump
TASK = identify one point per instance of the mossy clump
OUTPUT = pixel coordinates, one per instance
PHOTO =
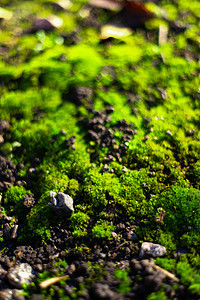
(103, 230)
(14, 198)
(182, 206)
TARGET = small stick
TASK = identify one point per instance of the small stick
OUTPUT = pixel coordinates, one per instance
(14, 232)
(167, 273)
(124, 243)
(46, 283)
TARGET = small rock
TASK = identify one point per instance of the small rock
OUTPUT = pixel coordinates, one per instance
(124, 169)
(102, 291)
(29, 200)
(47, 24)
(114, 235)
(6, 294)
(191, 131)
(168, 132)
(154, 281)
(71, 269)
(20, 274)
(32, 170)
(150, 249)
(37, 297)
(6, 232)
(14, 232)
(146, 137)
(3, 272)
(63, 132)
(4, 126)
(131, 236)
(102, 255)
(120, 226)
(136, 266)
(62, 204)
(1, 139)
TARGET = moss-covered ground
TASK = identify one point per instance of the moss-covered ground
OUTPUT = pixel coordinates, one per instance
(113, 123)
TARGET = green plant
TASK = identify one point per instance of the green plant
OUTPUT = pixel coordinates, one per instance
(14, 199)
(103, 230)
(79, 223)
(125, 283)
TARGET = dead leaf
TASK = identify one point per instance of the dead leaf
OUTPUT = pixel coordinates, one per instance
(115, 30)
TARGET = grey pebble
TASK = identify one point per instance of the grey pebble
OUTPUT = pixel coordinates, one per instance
(153, 250)
(62, 204)
(20, 274)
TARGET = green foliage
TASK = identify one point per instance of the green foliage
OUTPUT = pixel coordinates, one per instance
(103, 230)
(22, 104)
(160, 295)
(40, 220)
(14, 199)
(86, 63)
(101, 189)
(182, 212)
(167, 239)
(166, 263)
(125, 283)
(189, 277)
(79, 222)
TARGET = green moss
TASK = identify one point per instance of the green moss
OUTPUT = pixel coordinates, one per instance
(182, 213)
(14, 199)
(125, 283)
(160, 295)
(39, 220)
(79, 222)
(103, 230)
(189, 277)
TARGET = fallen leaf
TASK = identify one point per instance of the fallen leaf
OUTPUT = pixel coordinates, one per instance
(115, 30)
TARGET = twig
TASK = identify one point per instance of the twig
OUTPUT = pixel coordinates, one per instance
(46, 283)
(167, 273)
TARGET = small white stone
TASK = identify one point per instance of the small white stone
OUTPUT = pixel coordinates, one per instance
(114, 235)
(150, 249)
(20, 274)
